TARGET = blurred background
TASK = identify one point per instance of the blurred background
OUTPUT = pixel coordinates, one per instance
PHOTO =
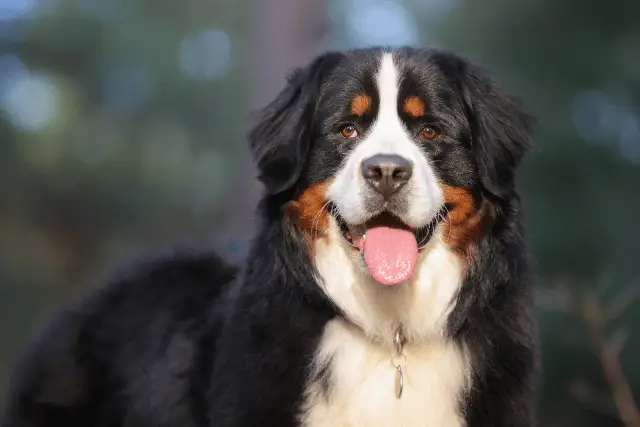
(121, 123)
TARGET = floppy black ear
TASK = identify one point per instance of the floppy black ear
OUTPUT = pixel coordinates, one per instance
(500, 131)
(279, 142)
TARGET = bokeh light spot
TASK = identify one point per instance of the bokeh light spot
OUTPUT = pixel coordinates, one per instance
(16, 9)
(205, 55)
(629, 138)
(32, 101)
(595, 116)
(11, 70)
(380, 23)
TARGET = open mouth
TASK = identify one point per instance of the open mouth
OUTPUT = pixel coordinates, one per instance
(356, 234)
(389, 246)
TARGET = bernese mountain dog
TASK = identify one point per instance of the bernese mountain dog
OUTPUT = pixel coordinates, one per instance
(387, 284)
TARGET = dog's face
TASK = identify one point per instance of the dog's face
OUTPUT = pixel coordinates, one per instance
(390, 145)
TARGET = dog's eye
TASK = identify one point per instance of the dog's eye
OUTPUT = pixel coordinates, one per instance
(428, 133)
(349, 131)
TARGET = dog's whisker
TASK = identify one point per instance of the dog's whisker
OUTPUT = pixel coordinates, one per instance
(316, 220)
(447, 217)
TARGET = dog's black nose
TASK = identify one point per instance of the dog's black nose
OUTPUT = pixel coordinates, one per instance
(386, 173)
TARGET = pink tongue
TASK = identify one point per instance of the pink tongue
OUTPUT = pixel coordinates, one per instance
(390, 254)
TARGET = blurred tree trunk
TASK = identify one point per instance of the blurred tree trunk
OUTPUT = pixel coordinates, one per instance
(286, 34)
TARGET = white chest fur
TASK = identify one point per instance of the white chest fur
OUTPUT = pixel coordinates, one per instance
(362, 378)
(361, 391)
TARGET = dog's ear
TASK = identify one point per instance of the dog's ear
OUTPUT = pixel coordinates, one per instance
(500, 130)
(280, 140)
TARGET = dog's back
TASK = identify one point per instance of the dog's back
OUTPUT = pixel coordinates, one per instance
(143, 341)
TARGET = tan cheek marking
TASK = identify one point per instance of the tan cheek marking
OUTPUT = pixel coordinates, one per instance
(464, 220)
(310, 212)
(414, 106)
(360, 105)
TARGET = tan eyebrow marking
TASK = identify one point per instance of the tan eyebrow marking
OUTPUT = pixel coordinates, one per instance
(360, 105)
(414, 106)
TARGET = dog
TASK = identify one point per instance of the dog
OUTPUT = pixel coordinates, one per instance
(388, 282)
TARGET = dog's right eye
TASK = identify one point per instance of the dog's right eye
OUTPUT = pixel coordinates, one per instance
(349, 131)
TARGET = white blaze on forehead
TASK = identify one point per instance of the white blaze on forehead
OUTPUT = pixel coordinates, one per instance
(387, 135)
(388, 90)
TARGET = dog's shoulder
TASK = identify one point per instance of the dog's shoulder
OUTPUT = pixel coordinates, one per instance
(173, 290)
(138, 333)
(180, 282)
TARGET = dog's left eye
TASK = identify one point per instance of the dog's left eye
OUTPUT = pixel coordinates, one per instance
(349, 131)
(428, 133)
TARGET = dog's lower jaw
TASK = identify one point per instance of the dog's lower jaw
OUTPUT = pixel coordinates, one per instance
(421, 305)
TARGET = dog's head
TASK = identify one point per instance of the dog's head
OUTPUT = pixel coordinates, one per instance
(389, 145)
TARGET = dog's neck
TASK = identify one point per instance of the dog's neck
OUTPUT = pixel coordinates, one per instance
(419, 307)
(331, 275)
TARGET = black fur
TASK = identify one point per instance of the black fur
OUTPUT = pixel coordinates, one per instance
(189, 340)
(280, 141)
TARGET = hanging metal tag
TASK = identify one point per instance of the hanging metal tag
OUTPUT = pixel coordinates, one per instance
(399, 381)
(399, 361)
